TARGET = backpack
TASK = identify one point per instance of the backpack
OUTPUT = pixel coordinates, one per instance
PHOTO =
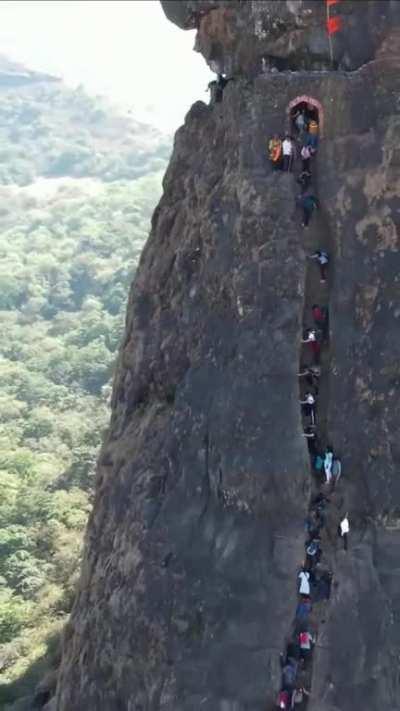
(318, 463)
(289, 674)
(298, 696)
(283, 700)
(312, 548)
(304, 577)
(304, 639)
(303, 610)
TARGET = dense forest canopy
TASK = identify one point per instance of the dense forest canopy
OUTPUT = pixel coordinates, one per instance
(50, 131)
(78, 183)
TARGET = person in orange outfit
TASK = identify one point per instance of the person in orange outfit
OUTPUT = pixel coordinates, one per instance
(275, 152)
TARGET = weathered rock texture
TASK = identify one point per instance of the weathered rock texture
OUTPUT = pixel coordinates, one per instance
(188, 585)
(236, 35)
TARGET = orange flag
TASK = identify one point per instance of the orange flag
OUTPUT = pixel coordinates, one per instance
(333, 24)
(332, 2)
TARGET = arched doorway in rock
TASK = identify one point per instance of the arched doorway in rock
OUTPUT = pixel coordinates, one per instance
(312, 107)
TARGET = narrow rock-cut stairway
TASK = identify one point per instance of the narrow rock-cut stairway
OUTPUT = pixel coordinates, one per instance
(317, 237)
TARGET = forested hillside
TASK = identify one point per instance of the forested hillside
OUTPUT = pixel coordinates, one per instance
(48, 130)
(68, 251)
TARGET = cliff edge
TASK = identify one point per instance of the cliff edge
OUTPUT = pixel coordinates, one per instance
(188, 588)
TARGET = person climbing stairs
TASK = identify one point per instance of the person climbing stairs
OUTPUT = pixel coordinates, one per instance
(314, 576)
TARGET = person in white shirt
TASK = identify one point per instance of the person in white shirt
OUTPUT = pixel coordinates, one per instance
(304, 577)
(310, 336)
(315, 345)
(308, 406)
(343, 530)
(288, 153)
(323, 259)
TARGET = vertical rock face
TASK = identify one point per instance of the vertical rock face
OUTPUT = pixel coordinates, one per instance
(235, 35)
(188, 585)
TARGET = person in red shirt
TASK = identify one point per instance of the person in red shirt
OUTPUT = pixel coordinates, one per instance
(320, 316)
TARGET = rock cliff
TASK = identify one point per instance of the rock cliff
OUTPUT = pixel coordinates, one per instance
(188, 588)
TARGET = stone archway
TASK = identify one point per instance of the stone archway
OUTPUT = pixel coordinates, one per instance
(304, 98)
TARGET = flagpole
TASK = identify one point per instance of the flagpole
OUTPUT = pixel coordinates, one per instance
(329, 34)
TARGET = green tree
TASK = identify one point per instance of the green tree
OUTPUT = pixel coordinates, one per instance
(67, 255)
(14, 613)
